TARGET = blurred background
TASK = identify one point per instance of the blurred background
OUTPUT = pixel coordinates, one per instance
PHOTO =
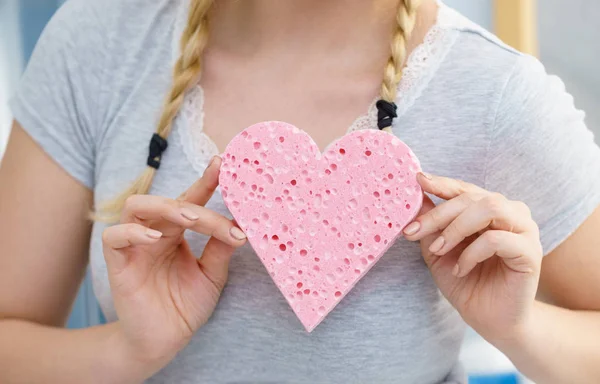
(570, 51)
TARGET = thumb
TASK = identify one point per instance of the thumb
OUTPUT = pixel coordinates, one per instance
(214, 262)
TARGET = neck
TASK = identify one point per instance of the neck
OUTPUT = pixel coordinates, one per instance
(250, 26)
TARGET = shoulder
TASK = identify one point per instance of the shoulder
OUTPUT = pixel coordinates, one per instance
(477, 56)
(115, 18)
(102, 28)
(113, 12)
(481, 64)
(89, 59)
(104, 47)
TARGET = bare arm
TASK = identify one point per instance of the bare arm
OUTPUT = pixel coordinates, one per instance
(45, 233)
(562, 345)
(42, 263)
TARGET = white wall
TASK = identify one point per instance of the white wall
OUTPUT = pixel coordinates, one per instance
(569, 47)
(479, 11)
(10, 63)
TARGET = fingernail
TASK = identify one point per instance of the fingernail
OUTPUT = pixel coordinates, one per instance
(437, 245)
(237, 233)
(189, 214)
(456, 270)
(412, 228)
(427, 175)
(153, 234)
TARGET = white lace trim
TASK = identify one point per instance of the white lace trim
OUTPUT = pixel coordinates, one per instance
(197, 146)
(420, 68)
(425, 60)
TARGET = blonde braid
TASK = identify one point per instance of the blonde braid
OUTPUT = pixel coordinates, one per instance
(186, 74)
(406, 19)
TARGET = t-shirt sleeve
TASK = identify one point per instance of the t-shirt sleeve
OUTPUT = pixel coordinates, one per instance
(543, 154)
(56, 101)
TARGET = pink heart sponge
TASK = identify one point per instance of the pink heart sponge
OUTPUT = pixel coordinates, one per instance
(319, 222)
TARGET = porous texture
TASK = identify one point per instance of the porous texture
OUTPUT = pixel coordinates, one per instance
(317, 221)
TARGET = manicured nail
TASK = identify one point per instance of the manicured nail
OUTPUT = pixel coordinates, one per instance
(456, 270)
(189, 214)
(237, 233)
(437, 245)
(427, 175)
(412, 228)
(153, 234)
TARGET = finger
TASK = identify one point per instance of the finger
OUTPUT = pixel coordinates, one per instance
(127, 235)
(438, 218)
(444, 187)
(215, 262)
(174, 216)
(517, 252)
(148, 208)
(493, 211)
(218, 226)
(202, 190)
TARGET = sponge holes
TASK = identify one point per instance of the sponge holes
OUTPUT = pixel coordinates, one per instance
(265, 174)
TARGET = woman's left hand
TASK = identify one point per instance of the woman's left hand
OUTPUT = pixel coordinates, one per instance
(484, 254)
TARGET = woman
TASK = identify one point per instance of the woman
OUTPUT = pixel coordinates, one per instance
(470, 108)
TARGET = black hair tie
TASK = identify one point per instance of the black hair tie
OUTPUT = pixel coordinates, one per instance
(157, 146)
(386, 113)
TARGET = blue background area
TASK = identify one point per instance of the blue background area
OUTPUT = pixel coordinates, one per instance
(508, 378)
(33, 15)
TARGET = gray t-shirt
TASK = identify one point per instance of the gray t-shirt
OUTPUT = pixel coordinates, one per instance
(469, 107)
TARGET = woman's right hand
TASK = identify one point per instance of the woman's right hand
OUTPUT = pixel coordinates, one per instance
(161, 292)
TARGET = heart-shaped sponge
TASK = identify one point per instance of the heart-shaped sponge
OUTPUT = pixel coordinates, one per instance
(317, 221)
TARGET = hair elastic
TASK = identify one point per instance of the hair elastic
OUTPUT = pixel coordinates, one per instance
(157, 146)
(386, 112)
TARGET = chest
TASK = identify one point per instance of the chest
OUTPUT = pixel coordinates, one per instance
(317, 99)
